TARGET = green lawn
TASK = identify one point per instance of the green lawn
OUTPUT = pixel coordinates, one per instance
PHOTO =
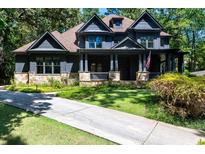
(140, 102)
(20, 127)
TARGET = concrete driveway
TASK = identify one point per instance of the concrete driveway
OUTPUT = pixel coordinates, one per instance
(116, 126)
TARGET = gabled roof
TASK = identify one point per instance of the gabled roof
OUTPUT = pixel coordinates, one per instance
(150, 16)
(68, 39)
(93, 18)
(42, 37)
(128, 39)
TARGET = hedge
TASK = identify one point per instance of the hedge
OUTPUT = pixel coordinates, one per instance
(180, 94)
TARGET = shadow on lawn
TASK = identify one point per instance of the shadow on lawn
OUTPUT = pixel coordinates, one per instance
(108, 98)
(11, 118)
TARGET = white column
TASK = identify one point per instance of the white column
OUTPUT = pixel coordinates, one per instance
(81, 63)
(111, 62)
(140, 63)
(86, 63)
(116, 62)
(144, 63)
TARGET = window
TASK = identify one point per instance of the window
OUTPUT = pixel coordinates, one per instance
(147, 42)
(98, 42)
(39, 65)
(118, 23)
(56, 65)
(150, 42)
(48, 65)
(95, 42)
(143, 41)
(162, 42)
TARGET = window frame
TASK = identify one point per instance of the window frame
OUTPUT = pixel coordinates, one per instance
(52, 65)
(95, 40)
(147, 40)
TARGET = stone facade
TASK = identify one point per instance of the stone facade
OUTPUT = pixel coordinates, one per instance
(84, 76)
(142, 76)
(31, 78)
(92, 83)
(21, 78)
(114, 75)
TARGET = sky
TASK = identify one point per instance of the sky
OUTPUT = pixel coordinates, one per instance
(102, 11)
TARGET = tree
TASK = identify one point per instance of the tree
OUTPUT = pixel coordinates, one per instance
(87, 13)
(21, 26)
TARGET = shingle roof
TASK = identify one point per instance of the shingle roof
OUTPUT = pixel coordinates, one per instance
(126, 22)
(68, 38)
(56, 34)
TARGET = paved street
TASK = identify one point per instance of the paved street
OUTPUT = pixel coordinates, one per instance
(116, 126)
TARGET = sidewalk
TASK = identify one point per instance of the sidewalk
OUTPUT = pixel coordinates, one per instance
(113, 125)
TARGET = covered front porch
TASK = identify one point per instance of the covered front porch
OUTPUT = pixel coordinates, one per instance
(101, 66)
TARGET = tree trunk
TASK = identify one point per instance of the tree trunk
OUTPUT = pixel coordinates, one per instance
(194, 51)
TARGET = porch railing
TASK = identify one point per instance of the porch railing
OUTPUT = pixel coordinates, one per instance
(99, 76)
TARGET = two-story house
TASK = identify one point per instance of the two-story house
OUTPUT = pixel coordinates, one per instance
(113, 48)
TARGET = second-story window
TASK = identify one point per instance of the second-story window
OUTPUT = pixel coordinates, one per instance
(98, 42)
(147, 42)
(150, 42)
(143, 41)
(95, 42)
(91, 42)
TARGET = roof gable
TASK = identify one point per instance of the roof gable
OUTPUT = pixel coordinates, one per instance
(46, 42)
(146, 22)
(95, 24)
(128, 43)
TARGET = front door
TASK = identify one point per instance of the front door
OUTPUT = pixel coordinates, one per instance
(127, 67)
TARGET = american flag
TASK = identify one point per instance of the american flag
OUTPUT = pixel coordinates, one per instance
(148, 61)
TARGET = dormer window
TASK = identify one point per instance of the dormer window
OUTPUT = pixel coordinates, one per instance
(116, 22)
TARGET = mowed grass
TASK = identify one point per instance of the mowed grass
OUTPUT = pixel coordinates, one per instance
(140, 102)
(20, 127)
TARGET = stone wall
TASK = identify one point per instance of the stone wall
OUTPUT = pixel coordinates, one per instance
(84, 76)
(65, 78)
(114, 75)
(142, 76)
(21, 78)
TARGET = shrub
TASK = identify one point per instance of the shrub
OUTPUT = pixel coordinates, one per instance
(180, 94)
(55, 83)
(201, 142)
